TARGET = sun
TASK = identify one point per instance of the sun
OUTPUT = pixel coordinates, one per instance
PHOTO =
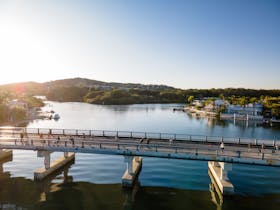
(26, 55)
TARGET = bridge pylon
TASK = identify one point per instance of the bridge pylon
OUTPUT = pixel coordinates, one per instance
(219, 174)
(132, 171)
(51, 167)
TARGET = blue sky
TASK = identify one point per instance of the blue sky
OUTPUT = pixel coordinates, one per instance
(186, 44)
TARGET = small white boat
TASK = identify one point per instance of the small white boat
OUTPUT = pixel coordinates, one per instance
(56, 116)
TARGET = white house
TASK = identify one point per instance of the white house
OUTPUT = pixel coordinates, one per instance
(250, 109)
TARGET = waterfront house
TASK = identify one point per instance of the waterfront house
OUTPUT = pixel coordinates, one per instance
(16, 103)
(250, 111)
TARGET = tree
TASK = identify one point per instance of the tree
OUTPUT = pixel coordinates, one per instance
(190, 99)
(221, 96)
(253, 100)
(17, 114)
(243, 101)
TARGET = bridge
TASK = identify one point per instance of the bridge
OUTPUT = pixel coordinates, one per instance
(134, 145)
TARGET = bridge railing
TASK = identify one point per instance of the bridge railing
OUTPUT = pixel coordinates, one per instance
(152, 149)
(136, 135)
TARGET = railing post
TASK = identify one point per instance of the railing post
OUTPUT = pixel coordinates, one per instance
(216, 152)
(145, 135)
(100, 146)
(256, 142)
(263, 156)
(159, 135)
(190, 137)
(83, 144)
(156, 147)
(38, 131)
(239, 140)
(63, 132)
(117, 133)
(103, 133)
(131, 134)
(76, 132)
(118, 146)
(196, 151)
(205, 138)
(137, 147)
(65, 143)
(89, 132)
(174, 136)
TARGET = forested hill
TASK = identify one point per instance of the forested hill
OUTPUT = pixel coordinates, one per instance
(82, 82)
(98, 92)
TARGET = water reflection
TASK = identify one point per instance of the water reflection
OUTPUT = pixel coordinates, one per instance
(216, 195)
(61, 192)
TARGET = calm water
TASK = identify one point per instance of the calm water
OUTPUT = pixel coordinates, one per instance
(93, 182)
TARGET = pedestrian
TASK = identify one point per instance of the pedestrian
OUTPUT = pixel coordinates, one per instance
(21, 137)
(249, 147)
(263, 146)
(72, 140)
(58, 139)
(170, 141)
(222, 146)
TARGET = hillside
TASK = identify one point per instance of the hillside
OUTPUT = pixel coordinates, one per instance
(82, 82)
(98, 92)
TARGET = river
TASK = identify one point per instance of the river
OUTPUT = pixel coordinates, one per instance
(94, 181)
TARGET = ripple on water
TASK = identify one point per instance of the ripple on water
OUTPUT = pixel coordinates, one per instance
(249, 179)
(174, 173)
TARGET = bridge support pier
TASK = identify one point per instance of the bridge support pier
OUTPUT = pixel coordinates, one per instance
(49, 167)
(6, 154)
(219, 173)
(133, 168)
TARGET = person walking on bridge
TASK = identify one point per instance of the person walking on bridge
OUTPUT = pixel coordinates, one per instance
(222, 146)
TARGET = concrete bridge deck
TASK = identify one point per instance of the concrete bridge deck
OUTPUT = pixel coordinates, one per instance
(163, 145)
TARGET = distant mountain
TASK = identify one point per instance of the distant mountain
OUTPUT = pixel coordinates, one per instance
(82, 82)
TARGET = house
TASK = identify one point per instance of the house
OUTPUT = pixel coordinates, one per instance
(17, 104)
(250, 109)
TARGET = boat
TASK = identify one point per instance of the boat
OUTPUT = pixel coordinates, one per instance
(56, 116)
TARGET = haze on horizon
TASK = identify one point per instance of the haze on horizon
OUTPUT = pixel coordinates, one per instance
(185, 44)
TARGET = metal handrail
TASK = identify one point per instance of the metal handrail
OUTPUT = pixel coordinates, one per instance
(137, 134)
(155, 148)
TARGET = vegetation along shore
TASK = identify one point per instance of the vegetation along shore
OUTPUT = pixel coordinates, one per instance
(98, 92)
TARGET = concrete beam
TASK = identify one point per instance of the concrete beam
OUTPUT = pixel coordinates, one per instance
(134, 165)
(43, 172)
(219, 172)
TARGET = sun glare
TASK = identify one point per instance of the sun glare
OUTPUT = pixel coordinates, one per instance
(25, 55)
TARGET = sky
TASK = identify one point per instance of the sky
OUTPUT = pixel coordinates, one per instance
(181, 43)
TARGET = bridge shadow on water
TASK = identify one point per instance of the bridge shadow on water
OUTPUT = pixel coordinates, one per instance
(61, 192)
